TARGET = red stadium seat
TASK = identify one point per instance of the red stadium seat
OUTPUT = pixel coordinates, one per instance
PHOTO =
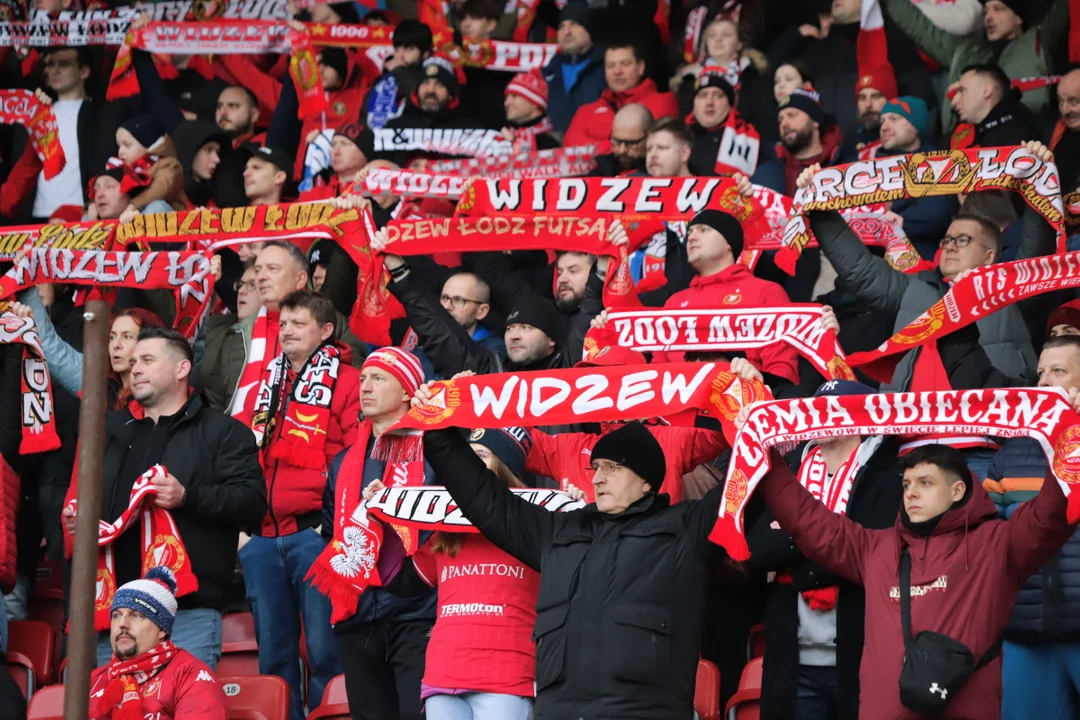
(239, 646)
(49, 584)
(256, 697)
(51, 612)
(335, 703)
(746, 703)
(47, 704)
(707, 691)
(755, 646)
(22, 670)
(36, 640)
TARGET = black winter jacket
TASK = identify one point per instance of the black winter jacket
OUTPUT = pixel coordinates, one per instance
(875, 499)
(215, 458)
(622, 597)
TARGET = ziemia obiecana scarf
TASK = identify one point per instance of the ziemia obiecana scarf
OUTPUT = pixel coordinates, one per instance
(833, 491)
(945, 172)
(431, 508)
(306, 418)
(160, 542)
(1043, 414)
(349, 563)
(122, 699)
(798, 325)
(35, 385)
(20, 107)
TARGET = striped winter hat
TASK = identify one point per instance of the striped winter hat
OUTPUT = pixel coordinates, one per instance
(402, 364)
(154, 596)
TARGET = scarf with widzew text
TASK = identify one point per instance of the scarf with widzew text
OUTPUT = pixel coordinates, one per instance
(554, 163)
(35, 385)
(431, 508)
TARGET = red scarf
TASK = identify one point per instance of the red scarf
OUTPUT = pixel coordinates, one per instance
(35, 385)
(409, 184)
(304, 71)
(306, 419)
(348, 564)
(739, 146)
(160, 542)
(555, 163)
(1040, 413)
(258, 362)
(20, 107)
(122, 699)
(431, 508)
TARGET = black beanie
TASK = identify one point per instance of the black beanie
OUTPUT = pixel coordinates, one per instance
(579, 12)
(635, 447)
(716, 80)
(538, 312)
(439, 68)
(144, 128)
(335, 57)
(805, 100)
(724, 224)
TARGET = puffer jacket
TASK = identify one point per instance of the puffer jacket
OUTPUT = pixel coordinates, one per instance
(1030, 55)
(903, 298)
(226, 341)
(592, 123)
(951, 572)
(166, 180)
(10, 437)
(1047, 608)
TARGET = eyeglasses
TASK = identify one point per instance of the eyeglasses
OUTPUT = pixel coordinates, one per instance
(457, 302)
(604, 467)
(959, 241)
(240, 285)
(616, 142)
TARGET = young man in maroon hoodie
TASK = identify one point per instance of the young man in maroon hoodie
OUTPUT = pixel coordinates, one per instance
(958, 588)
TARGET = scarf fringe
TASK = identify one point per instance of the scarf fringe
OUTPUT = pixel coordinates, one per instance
(399, 448)
(298, 454)
(343, 597)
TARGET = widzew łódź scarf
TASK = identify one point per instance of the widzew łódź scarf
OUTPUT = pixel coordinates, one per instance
(554, 163)
(307, 412)
(697, 330)
(1043, 414)
(20, 107)
(946, 172)
(409, 184)
(349, 563)
(35, 384)
(431, 508)
(371, 318)
(833, 491)
(122, 699)
(160, 542)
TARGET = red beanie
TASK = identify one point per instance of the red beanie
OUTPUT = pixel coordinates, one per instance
(880, 78)
(531, 86)
(402, 364)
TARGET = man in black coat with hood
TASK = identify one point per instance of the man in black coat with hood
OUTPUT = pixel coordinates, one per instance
(200, 145)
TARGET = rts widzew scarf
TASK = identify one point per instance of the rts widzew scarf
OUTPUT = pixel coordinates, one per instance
(348, 564)
(160, 542)
(945, 172)
(122, 699)
(306, 419)
(1043, 414)
(20, 107)
(35, 385)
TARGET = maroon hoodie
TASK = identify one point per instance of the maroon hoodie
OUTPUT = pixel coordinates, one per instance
(964, 580)
(831, 140)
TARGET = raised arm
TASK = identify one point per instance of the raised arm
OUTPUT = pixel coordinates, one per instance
(1037, 530)
(927, 36)
(65, 362)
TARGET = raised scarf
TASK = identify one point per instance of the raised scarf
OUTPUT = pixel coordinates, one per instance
(161, 544)
(304, 71)
(304, 415)
(20, 107)
(468, 143)
(739, 146)
(1040, 413)
(122, 699)
(798, 325)
(256, 367)
(406, 183)
(385, 102)
(945, 172)
(35, 385)
(92, 235)
(348, 564)
(431, 508)
(555, 163)
(833, 491)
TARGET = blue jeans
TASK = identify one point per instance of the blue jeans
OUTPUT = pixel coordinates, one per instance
(3, 628)
(815, 694)
(274, 570)
(198, 631)
(478, 706)
(1040, 682)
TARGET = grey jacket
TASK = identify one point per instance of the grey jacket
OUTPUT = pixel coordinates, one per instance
(65, 362)
(902, 298)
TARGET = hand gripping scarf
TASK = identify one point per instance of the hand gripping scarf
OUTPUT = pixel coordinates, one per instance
(20, 107)
(306, 418)
(122, 699)
(160, 541)
(349, 563)
(946, 172)
(35, 385)
(431, 508)
(695, 330)
(1043, 414)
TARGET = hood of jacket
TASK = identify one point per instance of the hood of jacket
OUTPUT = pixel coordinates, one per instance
(954, 526)
(191, 135)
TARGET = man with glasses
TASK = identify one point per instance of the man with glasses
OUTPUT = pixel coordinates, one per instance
(1065, 142)
(629, 131)
(225, 338)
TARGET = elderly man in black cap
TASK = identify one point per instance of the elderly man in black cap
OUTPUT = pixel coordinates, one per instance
(622, 581)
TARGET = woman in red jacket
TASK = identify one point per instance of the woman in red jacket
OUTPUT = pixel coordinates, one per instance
(481, 661)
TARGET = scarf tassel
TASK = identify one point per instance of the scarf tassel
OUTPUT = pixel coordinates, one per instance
(298, 454)
(343, 597)
(398, 449)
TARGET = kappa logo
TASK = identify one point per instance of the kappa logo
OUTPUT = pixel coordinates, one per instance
(204, 676)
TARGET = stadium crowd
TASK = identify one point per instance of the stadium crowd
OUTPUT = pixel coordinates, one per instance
(253, 451)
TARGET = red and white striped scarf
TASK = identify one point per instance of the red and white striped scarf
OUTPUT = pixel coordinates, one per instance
(122, 698)
(35, 385)
(257, 363)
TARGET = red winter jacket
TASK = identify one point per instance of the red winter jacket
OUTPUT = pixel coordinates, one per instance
(964, 580)
(482, 639)
(736, 286)
(567, 456)
(21, 182)
(592, 122)
(185, 689)
(293, 491)
(9, 507)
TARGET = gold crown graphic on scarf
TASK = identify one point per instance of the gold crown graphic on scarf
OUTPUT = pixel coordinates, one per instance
(943, 172)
